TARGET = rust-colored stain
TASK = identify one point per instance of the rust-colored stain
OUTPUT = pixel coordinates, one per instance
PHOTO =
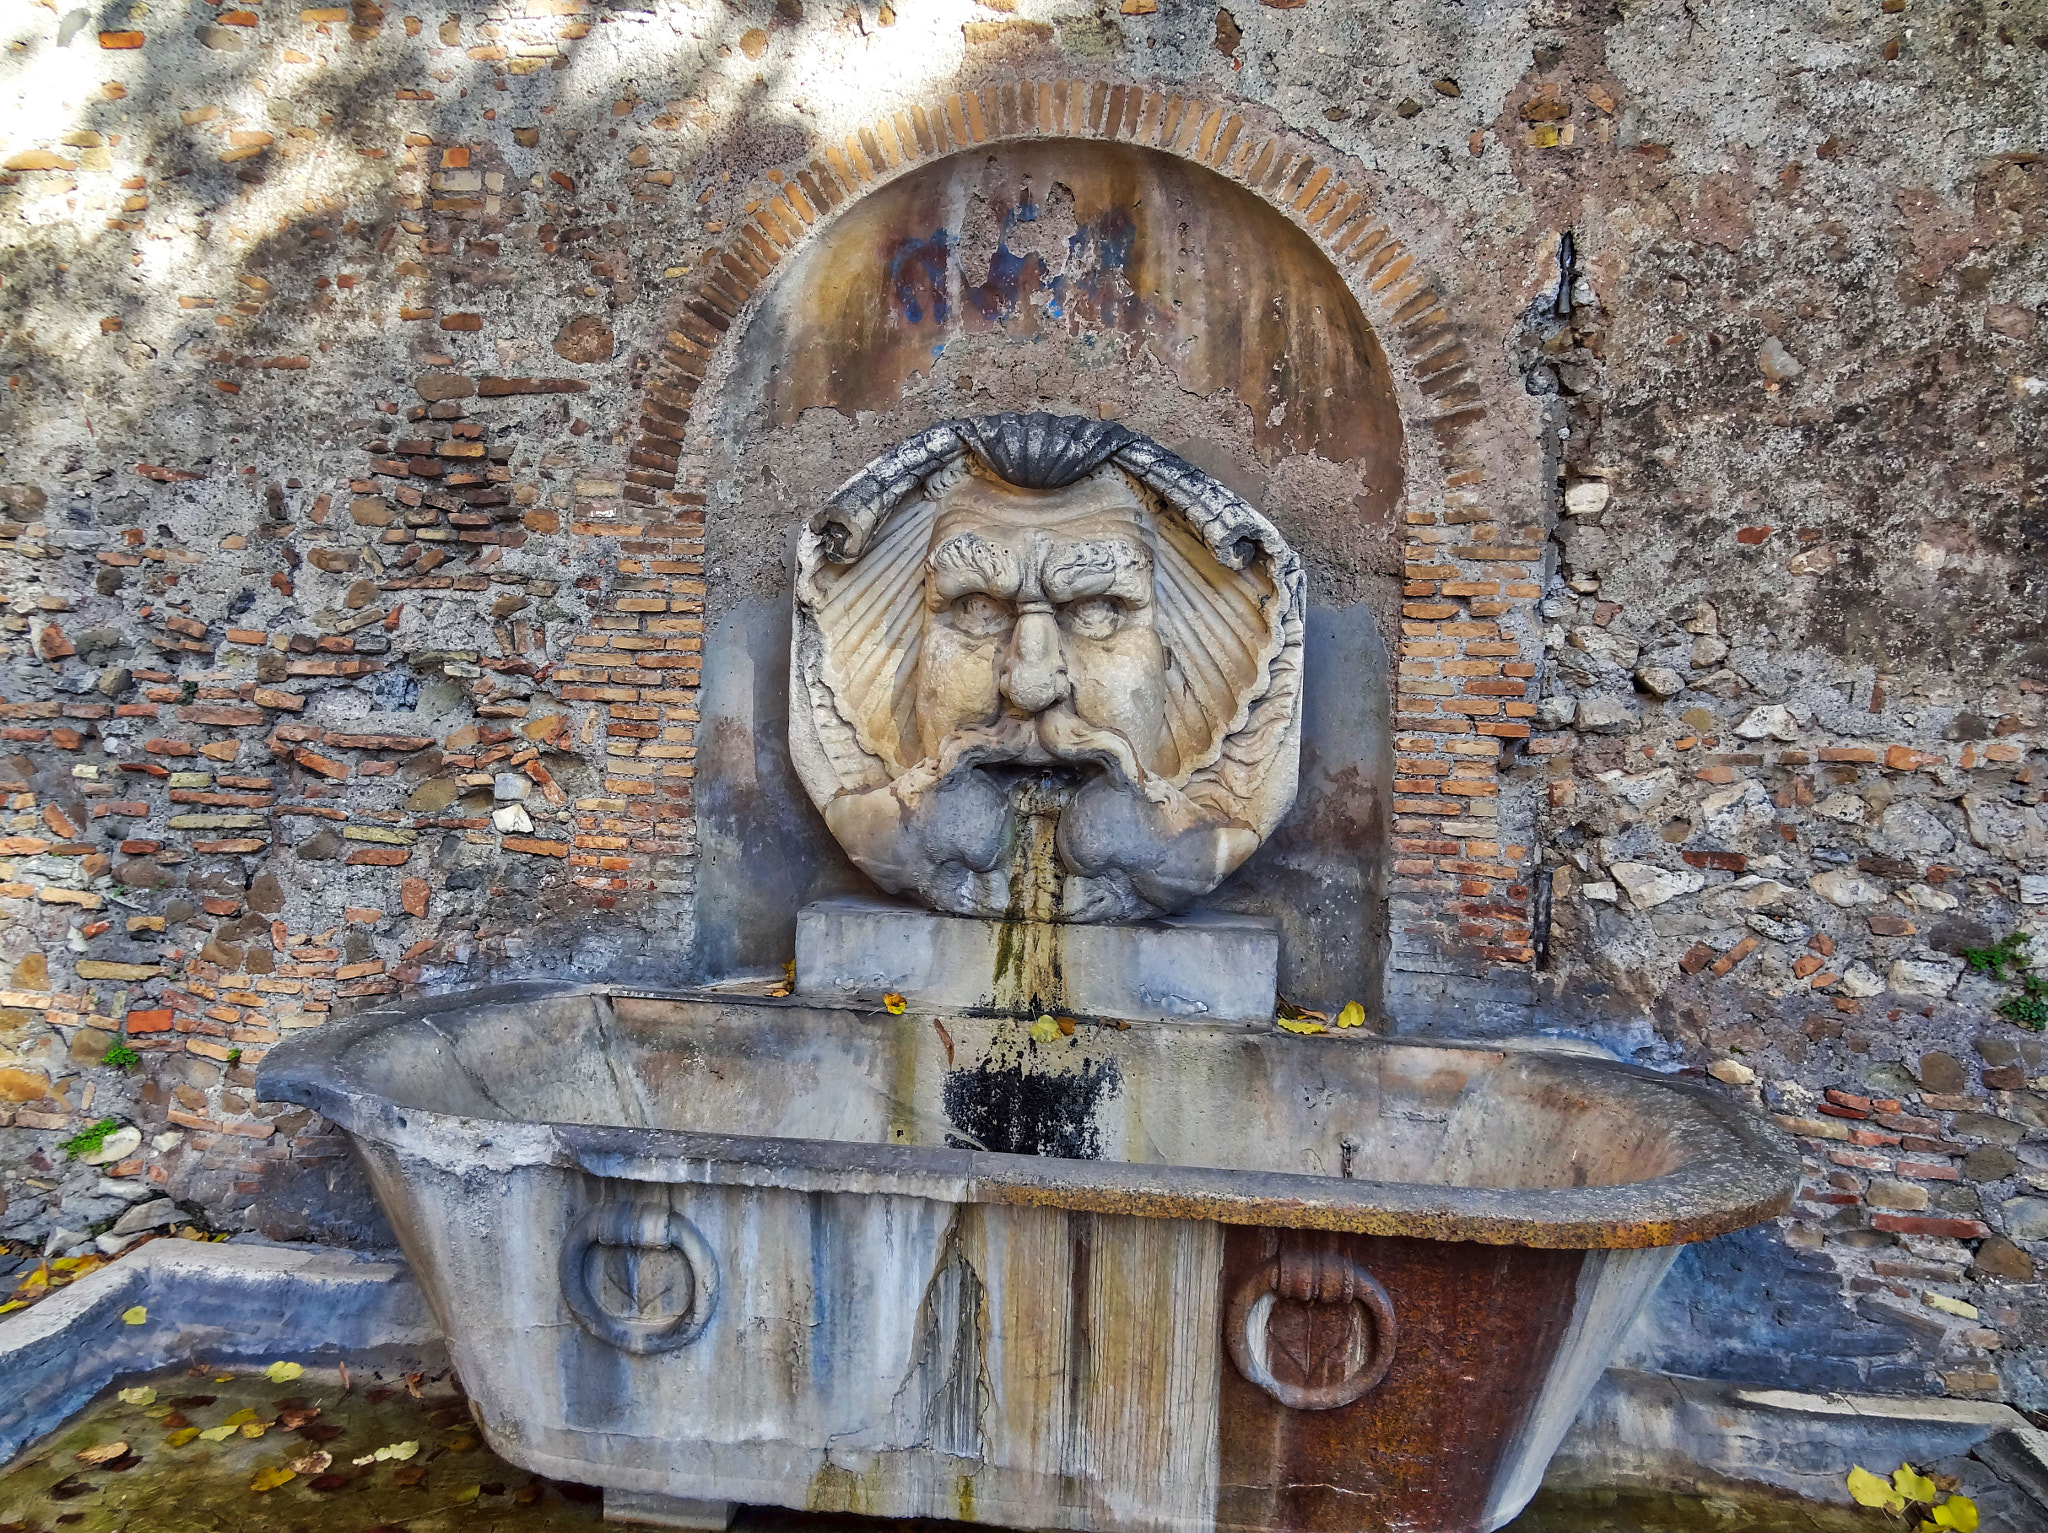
(1100, 245)
(1421, 1448)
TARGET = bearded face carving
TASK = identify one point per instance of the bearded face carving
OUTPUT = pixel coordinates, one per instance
(1044, 670)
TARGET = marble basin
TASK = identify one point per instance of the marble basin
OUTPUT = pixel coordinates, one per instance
(702, 1250)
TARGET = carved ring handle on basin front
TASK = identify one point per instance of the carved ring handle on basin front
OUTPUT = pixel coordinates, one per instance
(654, 1260)
(1329, 1291)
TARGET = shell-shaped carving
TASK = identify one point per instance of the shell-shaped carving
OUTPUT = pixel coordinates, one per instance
(1043, 452)
(1229, 604)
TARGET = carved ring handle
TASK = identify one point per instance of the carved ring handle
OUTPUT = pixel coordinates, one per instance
(648, 1226)
(1310, 1277)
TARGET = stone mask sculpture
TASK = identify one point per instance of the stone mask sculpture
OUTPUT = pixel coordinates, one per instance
(1044, 670)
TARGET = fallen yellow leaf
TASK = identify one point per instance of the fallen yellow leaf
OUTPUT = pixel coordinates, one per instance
(142, 1394)
(312, 1463)
(401, 1451)
(1353, 1015)
(467, 1494)
(892, 1003)
(217, 1434)
(1958, 1513)
(1867, 1489)
(13, 1304)
(1044, 1030)
(1301, 1027)
(1913, 1485)
(182, 1436)
(254, 1428)
(105, 1453)
(270, 1479)
(135, 1315)
(240, 1416)
(282, 1373)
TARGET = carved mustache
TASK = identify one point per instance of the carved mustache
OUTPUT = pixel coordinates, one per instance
(1058, 734)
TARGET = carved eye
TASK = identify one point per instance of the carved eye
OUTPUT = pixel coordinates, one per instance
(982, 616)
(1093, 617)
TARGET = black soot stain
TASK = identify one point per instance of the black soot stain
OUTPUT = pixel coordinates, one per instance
(1019, 1112)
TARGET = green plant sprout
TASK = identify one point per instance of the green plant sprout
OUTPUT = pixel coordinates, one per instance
(2028, 1005)
(88, 1140)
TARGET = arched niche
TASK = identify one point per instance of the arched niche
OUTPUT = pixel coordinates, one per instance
(1079, 276)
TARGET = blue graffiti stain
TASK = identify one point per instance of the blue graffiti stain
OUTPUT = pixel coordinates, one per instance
(1092, 289)
(928, 259)
(1008, 280)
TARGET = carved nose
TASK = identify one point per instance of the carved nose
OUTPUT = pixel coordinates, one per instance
(1035, 665)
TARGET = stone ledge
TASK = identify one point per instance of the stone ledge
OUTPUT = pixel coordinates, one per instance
(222, 1303)
(1700, 1436)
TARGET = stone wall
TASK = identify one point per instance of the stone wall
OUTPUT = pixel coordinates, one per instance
(364, 526)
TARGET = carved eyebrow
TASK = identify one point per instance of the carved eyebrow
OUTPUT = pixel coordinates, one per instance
(1110, 567)
(968, 562)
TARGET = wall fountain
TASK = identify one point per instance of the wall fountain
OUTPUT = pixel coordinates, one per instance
(1016, 1207)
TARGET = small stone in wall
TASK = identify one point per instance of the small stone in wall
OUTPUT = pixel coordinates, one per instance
(1606, 644)
(1603, 715)
(1921, 897)
(2025, 1218)
(2005, 828)
(1649, 886)
(1941, 1073)
(1641, 789)
(1773, 721)
(1734, 1072)
(586, 338)
(1736, 812)
(1586, 498)
(1793, 932)
(1659, 680)
(1848, 808)
(2000, 1258)
(1707, 650)
(1913, 828)
(1860, 982)
(1723, 684)
(1776, 363)
(1923, 976)
(1846, 888)
(1557, 712)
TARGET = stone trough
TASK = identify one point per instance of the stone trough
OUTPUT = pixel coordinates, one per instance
(701, 1250)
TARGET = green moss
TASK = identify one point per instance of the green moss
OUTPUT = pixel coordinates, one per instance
(88, 1140)
(2027, 1006)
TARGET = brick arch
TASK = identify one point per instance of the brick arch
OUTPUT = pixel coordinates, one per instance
(1295, 177)
(1468, 649)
